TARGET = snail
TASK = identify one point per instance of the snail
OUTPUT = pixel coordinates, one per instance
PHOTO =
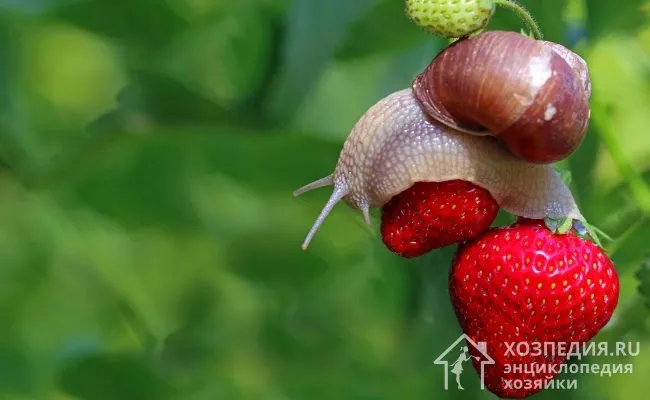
(420, 134)
(532, 95)
(395, 144)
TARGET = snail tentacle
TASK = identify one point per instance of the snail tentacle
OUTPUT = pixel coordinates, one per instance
(340, 191)
(319, 183)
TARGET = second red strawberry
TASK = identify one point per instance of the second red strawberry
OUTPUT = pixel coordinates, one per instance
(431, 215)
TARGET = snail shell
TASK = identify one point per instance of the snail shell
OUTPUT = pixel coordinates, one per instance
(532, 95)
(395, 144)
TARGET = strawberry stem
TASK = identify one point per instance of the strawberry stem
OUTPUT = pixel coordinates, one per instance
(524, 14)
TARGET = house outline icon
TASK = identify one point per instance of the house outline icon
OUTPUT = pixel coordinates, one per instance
(480, 346)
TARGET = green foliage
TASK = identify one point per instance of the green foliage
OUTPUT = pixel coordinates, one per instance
(106, 377)
(149, 242)
(314, 32)
(546, 13)
(644, 282)
(606, 17)
(149, 25)
(383, 29)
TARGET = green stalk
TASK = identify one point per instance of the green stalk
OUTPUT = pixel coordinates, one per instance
(524, 14)
(638, 188)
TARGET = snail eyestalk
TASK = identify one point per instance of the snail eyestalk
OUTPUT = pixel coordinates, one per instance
(524, 14)
(319, 183)
(340, 191)
(365, 209)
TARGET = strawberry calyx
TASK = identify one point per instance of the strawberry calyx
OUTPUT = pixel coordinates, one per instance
(581, 227)
(559, 226)
(586, 229)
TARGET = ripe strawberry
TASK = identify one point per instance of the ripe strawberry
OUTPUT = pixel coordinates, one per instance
(524, 283)
(431, 215)
(450, 18)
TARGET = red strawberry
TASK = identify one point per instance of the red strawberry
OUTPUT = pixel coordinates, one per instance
(431, 215)
(524, 283)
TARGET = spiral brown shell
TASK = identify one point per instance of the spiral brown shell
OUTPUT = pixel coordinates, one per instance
(532, 95)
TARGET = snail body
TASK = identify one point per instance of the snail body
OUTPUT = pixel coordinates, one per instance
(531, 94)
(395, 144)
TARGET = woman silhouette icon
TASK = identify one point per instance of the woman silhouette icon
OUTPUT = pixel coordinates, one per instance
(457, 366)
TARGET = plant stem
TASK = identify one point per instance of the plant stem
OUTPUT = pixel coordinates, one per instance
(524, 14)
(638, 188)
(616, 245)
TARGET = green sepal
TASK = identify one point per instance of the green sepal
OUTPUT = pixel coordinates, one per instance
(562, 226)
(559, 225)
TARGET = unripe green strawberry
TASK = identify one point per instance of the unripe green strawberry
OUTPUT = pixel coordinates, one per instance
(450, 18)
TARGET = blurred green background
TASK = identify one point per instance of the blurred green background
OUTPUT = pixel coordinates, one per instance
(149, 242)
